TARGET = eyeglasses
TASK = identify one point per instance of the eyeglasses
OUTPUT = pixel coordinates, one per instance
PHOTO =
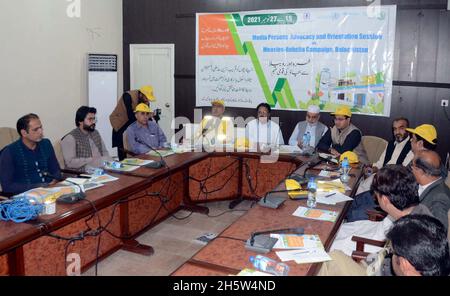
(339, 118)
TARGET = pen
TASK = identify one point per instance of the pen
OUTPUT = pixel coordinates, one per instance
(331, 194)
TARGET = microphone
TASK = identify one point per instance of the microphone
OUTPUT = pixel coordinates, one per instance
(155, 164)
(264, 243)
(71, 197)
(311, 163)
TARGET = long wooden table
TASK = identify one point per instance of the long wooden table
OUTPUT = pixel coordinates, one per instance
(227, 253)
(130, 208)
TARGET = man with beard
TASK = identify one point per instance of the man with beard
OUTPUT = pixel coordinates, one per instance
(398, 151)
(29, 162)
(83, 147)
(263, 130)
(312, 125)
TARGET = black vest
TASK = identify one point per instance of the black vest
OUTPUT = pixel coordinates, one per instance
(390, 150)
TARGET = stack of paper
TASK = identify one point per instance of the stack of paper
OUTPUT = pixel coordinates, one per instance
(302, 248)
(334, 185)
(304, 255)
(315, 214)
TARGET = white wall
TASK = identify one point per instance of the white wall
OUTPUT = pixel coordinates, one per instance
(43, 58)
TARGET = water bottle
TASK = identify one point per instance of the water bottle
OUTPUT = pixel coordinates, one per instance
(269, 265)
(345, 168)
(94, 171)
(306, 139)
(312, 191)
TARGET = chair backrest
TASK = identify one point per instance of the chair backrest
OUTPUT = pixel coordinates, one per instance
(374, 147)
(125, 142)
(59, 155)
(7, 136)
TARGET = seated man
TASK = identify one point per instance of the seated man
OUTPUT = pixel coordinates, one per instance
(29, 162)
(398, 151)
(143, 134)
(433, 192)
(424, 137)
(263, 130)
(427, 254)
(83, 147)
(396, 191)
(312, 125)
(215, 128)
(343, 136)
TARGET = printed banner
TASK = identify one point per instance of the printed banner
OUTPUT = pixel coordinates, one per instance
(293, 58)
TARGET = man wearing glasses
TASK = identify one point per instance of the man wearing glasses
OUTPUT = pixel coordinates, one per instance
(83, 147)
(312, 125)
(343, 136)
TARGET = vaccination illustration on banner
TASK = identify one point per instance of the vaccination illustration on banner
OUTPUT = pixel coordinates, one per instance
(291, 59)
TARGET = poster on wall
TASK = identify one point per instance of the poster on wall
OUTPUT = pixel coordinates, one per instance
(293, 58)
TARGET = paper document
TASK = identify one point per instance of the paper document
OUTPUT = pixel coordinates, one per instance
(163, 153)
(136, 161)
(331, 198)
(297, 241)
(333, 185)
(105, 178)
(315, 214)
(289, 149)
(304, 256)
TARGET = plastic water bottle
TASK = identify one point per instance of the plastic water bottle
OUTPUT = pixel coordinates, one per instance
(312, 191)
(269, 265)
(306, 139)
(345, 168)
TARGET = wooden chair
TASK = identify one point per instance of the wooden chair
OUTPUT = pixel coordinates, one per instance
(374, 147)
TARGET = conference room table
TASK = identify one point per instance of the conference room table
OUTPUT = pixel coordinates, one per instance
(114, 215)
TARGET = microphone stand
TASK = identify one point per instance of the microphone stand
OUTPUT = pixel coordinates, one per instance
(299, 230)
(156, 164)
(265, 243)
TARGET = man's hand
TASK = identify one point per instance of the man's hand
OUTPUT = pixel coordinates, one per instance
(300, 144)
(334, 152)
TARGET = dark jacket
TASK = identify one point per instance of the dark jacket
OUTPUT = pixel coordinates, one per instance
(437, 198)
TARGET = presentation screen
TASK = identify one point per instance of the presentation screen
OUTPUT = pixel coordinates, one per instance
(293, 58)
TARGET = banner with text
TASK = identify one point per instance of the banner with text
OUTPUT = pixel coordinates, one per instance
(297, 57)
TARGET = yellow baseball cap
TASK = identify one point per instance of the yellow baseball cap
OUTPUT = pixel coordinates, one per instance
(342, 111)
(351, 156)
(147, 90)
(425, 131)
(142, 108)
(218, 102)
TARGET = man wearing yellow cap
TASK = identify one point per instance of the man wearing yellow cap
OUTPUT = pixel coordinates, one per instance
(343, 136)
(215, 127)
(123, 114)
(423, 137)
(143, 134)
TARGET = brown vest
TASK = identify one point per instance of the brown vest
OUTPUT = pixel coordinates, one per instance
(119, 116)
(339, 139)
